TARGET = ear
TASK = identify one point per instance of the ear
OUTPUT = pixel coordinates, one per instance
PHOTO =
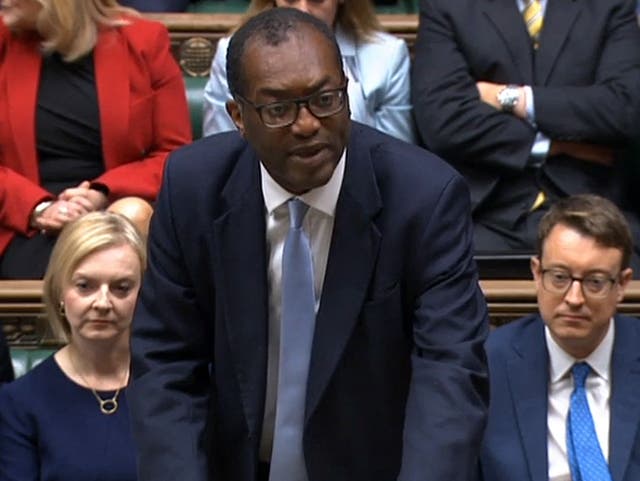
(235, 112)
(346, 83)
(535, 269)
(625, 277)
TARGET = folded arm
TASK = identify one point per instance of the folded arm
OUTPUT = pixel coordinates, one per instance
(451, 118)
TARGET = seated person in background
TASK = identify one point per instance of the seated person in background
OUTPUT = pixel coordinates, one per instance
(375, 63)
(68, 418)
(529, 112)
(158, 5)
(6, 368)
(544, 421)
(91, 103)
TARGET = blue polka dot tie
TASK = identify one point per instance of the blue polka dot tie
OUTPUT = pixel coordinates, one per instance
(586, 461)
(296, 338)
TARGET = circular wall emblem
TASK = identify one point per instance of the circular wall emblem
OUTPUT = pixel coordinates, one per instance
(195, 56)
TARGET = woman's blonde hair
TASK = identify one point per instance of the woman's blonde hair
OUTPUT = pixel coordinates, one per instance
(357, 17)
(70, 27)
(91, 233)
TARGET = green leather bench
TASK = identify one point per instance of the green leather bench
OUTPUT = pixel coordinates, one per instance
(24, 359)
(218, 6)
(195, 98)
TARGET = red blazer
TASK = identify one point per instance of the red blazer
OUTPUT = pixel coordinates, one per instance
(143, 116)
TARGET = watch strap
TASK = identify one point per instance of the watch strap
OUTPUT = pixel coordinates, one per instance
(38, 210)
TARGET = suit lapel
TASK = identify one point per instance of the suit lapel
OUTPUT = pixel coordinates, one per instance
(529, 395)
(113, 93)
(559, 18)
(507, 20)
(625, 393)
(239, 237)
(352, 257)
(24, 63)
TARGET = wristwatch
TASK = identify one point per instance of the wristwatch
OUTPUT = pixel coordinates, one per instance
(38, 210)
(508, 97)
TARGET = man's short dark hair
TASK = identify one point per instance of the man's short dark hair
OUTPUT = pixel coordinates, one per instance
(592, 216)
(271, 27)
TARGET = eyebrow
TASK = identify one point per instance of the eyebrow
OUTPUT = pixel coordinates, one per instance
(588, 272)
(280, 93)
(83, 275)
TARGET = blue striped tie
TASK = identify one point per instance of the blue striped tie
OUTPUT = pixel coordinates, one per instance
(586, 461)
(296, 338)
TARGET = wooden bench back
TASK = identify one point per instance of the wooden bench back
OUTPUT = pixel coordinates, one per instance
(22, 312)
(194, 36)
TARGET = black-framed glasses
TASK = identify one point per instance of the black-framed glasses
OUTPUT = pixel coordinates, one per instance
(285, 112)
(596, 285)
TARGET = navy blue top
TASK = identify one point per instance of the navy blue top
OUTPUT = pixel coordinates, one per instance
(51, 429)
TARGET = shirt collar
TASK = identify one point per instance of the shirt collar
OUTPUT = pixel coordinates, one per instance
(560, 362)
(522, 4)
(346, 41)
(323, 198)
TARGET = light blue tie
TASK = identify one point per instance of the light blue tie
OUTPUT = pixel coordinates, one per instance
(586, 460)
(296, 337)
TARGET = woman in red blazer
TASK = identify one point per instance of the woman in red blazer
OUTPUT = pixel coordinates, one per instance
(91, 103)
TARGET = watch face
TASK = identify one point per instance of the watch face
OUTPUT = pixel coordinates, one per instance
(508, 98)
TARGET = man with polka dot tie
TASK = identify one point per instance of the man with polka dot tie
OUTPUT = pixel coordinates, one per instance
(565, 383)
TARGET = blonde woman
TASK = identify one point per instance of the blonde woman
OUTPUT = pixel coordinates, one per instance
(67, 419)
(91, 103)
(375, 62)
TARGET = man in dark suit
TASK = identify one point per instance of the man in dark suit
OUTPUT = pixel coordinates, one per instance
(528, 112)
(581, 272)
(394, 384)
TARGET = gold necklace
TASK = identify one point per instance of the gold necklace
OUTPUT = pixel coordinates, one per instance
(107, 406)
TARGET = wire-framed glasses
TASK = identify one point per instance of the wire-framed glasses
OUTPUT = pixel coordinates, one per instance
(596, 285)
(324, 103)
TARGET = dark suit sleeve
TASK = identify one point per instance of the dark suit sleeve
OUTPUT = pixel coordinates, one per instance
(451, 118)
(6, 368)
(448, 397)
(608, 109)
(170, 369)
(18, 444)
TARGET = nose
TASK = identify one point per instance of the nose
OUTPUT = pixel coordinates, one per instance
(304, 6)
(306, 124)
(574, 295)
(102, 300)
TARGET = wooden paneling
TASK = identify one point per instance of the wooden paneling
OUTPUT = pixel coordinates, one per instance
(21, 309)
(510, 299)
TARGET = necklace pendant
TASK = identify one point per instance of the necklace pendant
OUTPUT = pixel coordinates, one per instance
(108, 406)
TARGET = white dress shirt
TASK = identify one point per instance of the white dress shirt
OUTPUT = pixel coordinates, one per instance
(598, 387)
(318, 225)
